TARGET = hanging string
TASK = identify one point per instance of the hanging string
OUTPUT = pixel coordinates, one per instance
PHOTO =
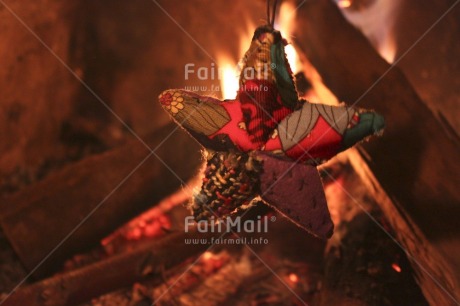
(271, 21)
(273, 13)
(268, 11)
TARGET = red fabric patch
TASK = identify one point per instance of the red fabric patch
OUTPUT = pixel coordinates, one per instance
(237, 135)
(273, 144)
(166, 99)
(322, 142)
(262, 109)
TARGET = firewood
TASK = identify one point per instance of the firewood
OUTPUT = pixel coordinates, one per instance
(147, 261)
(416, 162)
(362, 265)
(39, 218)
(75, 287)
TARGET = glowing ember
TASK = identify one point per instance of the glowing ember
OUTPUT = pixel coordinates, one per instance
(207, 255)
(396, 267)
(150, 224)
(293, 278)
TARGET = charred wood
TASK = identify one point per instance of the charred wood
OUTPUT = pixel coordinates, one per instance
(415, 162)
(94, 197)
(147, 261)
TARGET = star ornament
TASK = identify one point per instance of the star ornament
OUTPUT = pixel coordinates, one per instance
(267, 142)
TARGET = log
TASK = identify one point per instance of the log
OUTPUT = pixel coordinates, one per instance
(358, 268)
(79, 286)
(362, 265)
(101, 192)
(145, 262)
(428, 264)
(416, 162)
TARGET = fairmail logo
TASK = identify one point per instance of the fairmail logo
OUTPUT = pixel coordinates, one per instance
(227, 225)
(216, 73)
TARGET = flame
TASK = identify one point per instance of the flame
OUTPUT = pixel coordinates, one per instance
(228, 76)
(246, 37)
(320, 93)
(229, 69)
(344, 3)
(292, 57)
(285, 25)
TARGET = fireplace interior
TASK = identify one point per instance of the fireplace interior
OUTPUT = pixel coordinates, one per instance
(91, 215)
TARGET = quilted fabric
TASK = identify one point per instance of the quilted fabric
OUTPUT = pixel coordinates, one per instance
(306, 209)
(268, 124)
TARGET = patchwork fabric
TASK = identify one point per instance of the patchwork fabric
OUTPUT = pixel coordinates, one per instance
(266, 130)
(195, 113)
(313, 133)
(298, 195)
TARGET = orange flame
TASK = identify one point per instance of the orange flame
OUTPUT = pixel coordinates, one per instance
(344, 3)
(228, 76)
(287, 14)
(229, 69)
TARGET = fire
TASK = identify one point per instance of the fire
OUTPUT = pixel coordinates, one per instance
(246, 37)
(207, 255)
(286, 25)
(293, 278)
(229, 69)
(396, 267)
(320, 93)
(344, 3)
(228, 76)
(292, 57)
